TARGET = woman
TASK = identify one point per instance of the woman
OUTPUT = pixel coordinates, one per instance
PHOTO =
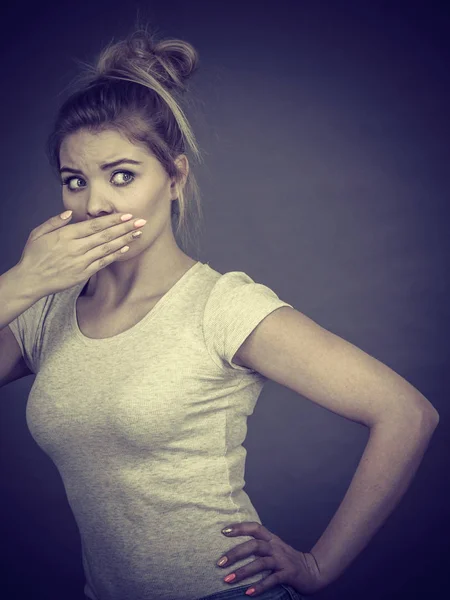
(147, 369)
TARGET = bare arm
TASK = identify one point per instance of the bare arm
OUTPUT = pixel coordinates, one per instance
(16, 295)
(291, 349)
(390, 460)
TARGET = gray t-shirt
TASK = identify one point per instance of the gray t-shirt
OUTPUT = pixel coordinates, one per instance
(146, 429)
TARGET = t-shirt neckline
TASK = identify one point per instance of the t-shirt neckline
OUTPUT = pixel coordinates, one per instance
(154, 310)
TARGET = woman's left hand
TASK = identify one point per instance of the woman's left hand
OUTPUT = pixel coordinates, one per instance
(288, 566)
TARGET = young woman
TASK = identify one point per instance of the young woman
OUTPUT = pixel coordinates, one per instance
(148, 361)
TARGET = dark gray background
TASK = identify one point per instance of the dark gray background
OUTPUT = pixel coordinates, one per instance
(324, 128)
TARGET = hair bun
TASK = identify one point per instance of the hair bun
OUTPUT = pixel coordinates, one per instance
(171, 61)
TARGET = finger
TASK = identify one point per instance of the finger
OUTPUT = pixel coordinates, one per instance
(51, 224)
(244, 550)
(263, 585)
(257, 530)
(252, 568)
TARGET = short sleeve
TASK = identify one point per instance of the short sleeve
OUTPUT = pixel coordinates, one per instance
(26, 329)
(235, 306)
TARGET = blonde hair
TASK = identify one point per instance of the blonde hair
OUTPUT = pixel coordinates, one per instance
(134, 88)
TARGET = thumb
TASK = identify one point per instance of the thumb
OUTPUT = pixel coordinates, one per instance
(52, 224)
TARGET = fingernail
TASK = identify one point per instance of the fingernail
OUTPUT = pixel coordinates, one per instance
(250, 591)
(222, 561)
(227, 530)
(126, 217)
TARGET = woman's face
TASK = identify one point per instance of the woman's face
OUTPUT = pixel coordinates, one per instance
(92, 188)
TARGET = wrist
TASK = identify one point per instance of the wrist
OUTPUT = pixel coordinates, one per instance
(25, 282)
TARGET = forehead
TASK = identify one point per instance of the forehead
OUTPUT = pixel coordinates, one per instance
(100, 147)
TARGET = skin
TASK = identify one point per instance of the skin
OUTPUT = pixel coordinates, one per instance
(154, 261)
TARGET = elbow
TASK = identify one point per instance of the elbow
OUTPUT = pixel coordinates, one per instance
(434, 416)
(420, 414)
(428, 415)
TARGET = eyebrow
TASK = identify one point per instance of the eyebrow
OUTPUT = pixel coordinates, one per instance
(105, 165)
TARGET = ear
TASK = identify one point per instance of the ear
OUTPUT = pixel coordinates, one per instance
(182, 165)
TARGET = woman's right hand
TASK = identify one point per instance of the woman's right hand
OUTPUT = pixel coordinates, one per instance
(58, 256)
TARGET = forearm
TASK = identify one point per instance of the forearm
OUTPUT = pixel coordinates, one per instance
(390, 460)
(16, 295)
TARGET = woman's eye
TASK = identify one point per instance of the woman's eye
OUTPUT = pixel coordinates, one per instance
(124, 173)
(125, 181)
